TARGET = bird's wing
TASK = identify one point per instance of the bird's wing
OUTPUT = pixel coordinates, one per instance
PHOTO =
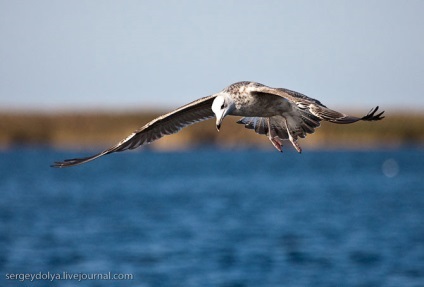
(315, 107)
(167, 124)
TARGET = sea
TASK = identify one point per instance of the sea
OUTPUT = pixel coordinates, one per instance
(213, 217)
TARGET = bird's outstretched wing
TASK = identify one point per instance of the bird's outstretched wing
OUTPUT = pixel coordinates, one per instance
(315, 107)
(167, 124)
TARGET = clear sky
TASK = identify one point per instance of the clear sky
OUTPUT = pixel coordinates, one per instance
(58, 55)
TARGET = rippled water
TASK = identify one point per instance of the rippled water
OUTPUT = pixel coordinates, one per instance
(216, 218)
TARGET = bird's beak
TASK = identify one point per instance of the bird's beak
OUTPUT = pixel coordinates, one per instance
(219, 121)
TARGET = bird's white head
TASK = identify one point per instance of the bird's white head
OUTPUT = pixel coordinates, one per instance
(222, 106)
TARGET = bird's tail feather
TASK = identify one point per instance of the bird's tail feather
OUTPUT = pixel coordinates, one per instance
(298, 128)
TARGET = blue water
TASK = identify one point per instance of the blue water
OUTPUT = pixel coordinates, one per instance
(215, 218)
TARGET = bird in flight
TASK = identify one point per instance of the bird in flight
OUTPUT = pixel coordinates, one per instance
(280, 114)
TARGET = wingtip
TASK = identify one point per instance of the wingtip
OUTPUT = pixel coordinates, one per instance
(65, 163)
(78, 161)
(371, 116)
(73, 162)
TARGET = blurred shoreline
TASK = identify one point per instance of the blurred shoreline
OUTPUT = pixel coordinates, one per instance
(82, 130)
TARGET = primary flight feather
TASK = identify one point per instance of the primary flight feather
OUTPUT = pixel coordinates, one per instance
(278, 113)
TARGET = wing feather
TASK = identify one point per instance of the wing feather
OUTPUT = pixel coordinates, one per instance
(340, 118)
(167, 124)
(313, 108)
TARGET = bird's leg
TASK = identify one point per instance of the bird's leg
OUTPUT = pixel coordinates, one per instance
(292, 140)
(272, 136)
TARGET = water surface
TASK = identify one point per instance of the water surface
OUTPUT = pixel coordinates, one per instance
(216, 218)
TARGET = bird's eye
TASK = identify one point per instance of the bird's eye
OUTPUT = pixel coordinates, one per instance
(223, 105)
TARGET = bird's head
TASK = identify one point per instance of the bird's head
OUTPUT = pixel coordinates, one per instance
(222, 106)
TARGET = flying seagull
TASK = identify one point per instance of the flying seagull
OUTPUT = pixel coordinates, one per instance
(280, 114)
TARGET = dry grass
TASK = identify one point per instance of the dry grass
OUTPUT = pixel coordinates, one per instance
(101, 129)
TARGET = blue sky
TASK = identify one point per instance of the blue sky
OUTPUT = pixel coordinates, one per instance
(64, 55)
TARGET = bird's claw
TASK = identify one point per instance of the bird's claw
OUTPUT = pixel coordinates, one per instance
(276, 143)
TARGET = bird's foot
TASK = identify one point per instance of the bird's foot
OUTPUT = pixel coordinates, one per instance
(276, 143)
(272, 136)
(295, 144)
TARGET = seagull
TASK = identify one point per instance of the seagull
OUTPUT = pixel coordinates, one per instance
(278, 113)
